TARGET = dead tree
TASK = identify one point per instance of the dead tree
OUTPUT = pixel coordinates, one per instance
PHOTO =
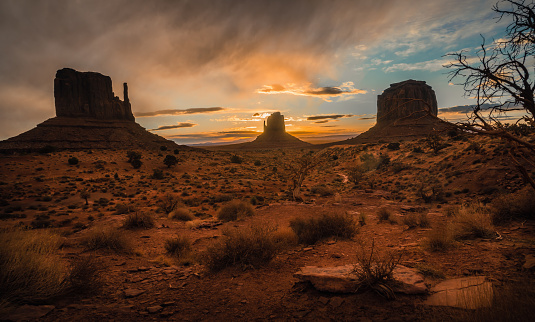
(301, 167)
(500, 77)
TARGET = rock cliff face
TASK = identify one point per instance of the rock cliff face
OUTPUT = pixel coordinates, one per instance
(405, 100)
(89, 94)
(275, 124)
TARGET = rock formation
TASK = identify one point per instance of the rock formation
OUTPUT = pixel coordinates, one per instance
(273, 137)
(89, 116)
(89, 94)
(410, 99)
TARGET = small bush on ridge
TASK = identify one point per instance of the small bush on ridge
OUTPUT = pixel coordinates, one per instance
(235, 210)
(138, 220)
(313, 229)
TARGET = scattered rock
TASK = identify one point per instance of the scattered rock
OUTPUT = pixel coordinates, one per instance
(29, 312)
(466, 292)
(530, 262)
(154, 309)
(133, 292)
(342, 279)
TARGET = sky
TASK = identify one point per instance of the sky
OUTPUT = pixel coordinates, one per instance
(210, 71)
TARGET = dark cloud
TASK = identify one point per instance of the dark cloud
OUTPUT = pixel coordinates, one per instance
(367, 118)
(321, 122)
(326, 91)
(177, 126)
(195, 110)
(463, 108)
(306, 90)
(328, 117)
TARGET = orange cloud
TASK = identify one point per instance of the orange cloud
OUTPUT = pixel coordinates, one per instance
(325, 93)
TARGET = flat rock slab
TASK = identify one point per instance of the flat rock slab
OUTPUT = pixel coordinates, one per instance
(467, 293)
(342, 279)
(29, 312)
(133, 292)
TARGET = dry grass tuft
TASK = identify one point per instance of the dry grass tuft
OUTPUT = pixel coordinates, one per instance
(473, 221)
(234, 210)
(107, 238)
(30, 269)
(515, 206)
(138, 220)
(311, 230)
(181, 214)
(85, 276)
(440, 239)
(178, 246)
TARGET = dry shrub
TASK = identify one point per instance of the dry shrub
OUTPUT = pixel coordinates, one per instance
(384, 214)
(441, 238)
(181, 214)
(169, 203)
(313, 229)
(423, 220)
(85, 276)
(178, 246)
(520, 205)
(194, 224)
(285, 237)
(322, 190)
(107, 238)
(234, 210)
(413, 220)
(374, 269)
(473, 221)
(254, 245)
(30, 269)
(138, 220)
(121, 208)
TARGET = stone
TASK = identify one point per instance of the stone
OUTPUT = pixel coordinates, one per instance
(89, 94)
(154, 309)
(467, 292)
(28, 312)
(529, 262)
(133, 292)
(342, 279)
(408, 99)
(275, 124)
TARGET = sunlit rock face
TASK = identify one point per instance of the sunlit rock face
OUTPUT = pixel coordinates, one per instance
(89, 94)
(275, 124)
(405, 100)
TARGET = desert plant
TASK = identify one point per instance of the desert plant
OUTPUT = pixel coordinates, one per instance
(251, 246)
(138, 220)
(169, 203)
(234, 210)
(178, 246)
(157, 174)
(136, 163)
(430, 188)
(374, 269)
(384, 214)
(423, 220)
(313, 229)
(170, 160)
(73, 161)
(440, 239)
(473, 221)
(434, 141)
(85, 276)
(355, 175)
(122, 208)
(84, 194)
(181, 214)
(236, 159)
(106, 238)
(134, 158)
(322, 190)
(410, 220)
(514, 206)
(30, 268)
(393, 146)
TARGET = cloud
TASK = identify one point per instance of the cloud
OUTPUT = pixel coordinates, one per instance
(325, 93)
(177, 126)
(194, 110)
(327, 117)
(430, 65)
(321, 122)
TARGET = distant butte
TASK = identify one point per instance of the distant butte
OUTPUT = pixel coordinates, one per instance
(273, 137)
(88, 116)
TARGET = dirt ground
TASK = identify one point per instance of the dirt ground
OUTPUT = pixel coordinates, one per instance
(39, 190)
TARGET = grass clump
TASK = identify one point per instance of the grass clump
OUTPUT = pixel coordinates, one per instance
(178, 246)
(516, 206)
(311, 230)
(413, 220)
(30, 269)
(235, 210)
(181, 214)
(107, 238)
(440, 239)
(138, 220)
(250, 246)
(385, 214)
(474, 222)
(85, 276)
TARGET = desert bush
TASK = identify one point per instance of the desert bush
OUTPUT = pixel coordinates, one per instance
(236, 159)
(430, 189)
(257, 163)
(473, 221)
(178, 246)
(434, 142)
(122, 208)
(163, 148)
(393, 146)
(355, 175)
(413, 220)
(85, 276)
(170, 160)
(107, 238)
(73, 161)
(423, 220)
(235, 210)
(136, 164)
(30, 268)
(313, 229)
(374, 269)
(181, 214)
(251, 246)
(138, 220)
(157, 174)
(134, 158)
(520, 205)
(322, 190)
(384, 214)
(169, 203)
(440, 239)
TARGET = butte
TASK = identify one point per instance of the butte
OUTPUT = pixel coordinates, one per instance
(273, 137)
(88, 116)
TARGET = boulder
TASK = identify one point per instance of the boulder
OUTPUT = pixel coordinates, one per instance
(89, 94)
(274, 124)
(342, 279)
(409, 99)
(467, 293)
